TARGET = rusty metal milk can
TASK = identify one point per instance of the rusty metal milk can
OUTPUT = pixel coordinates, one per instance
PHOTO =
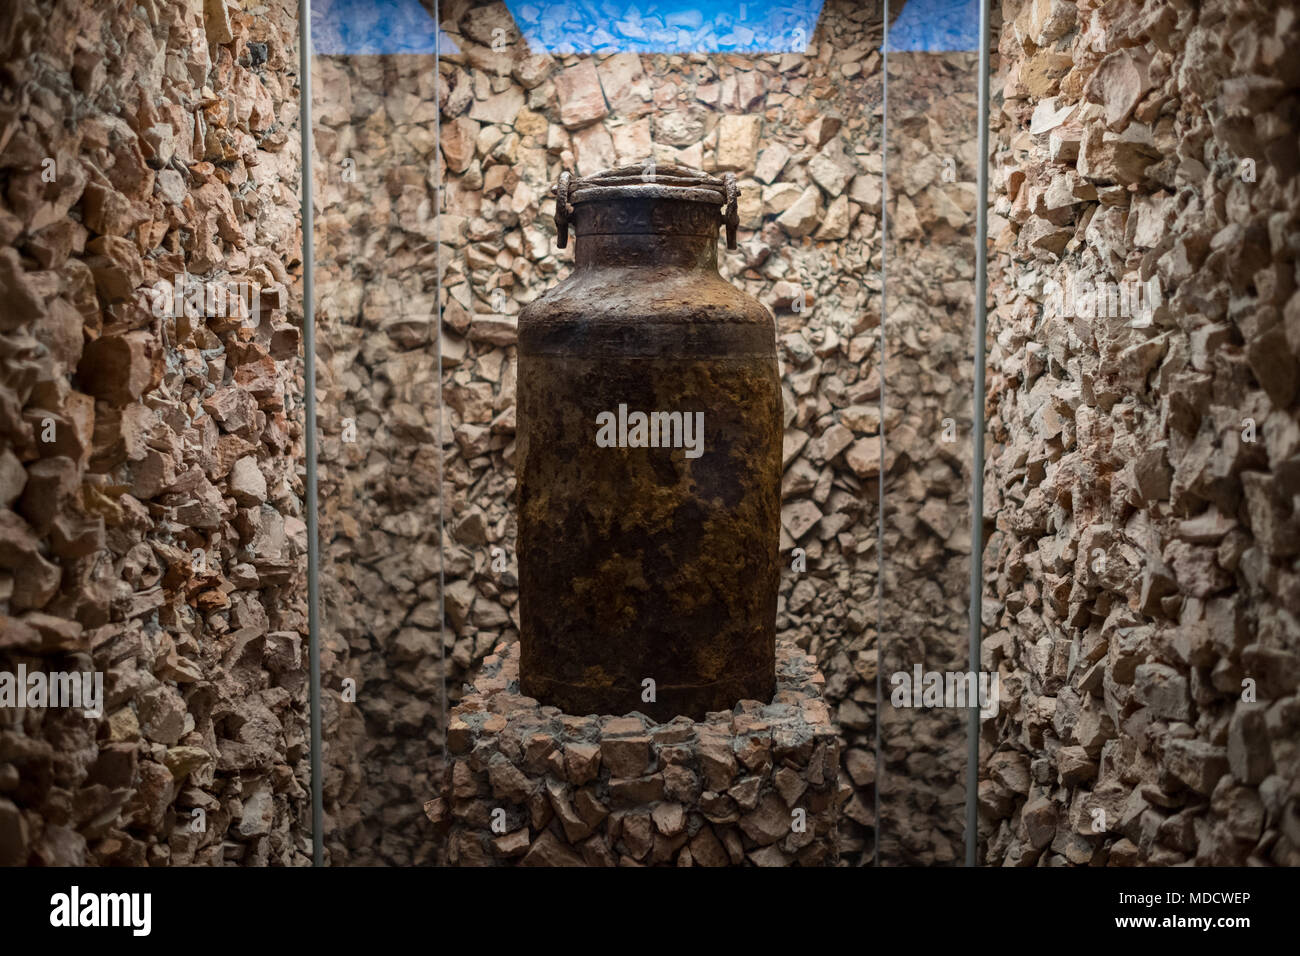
(649, 458)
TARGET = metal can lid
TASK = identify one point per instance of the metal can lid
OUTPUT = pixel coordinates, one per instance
(647, 181)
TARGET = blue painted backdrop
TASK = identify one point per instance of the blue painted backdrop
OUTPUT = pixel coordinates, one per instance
(651, 26)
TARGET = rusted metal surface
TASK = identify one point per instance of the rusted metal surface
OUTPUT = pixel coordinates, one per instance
(647, 563)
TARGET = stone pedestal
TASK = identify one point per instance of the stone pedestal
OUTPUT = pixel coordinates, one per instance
(528, 785)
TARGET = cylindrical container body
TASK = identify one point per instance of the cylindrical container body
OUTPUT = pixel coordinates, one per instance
(649, 467)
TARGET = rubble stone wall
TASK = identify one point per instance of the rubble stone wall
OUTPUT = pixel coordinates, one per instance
(928, 375)
(152, 529)
(376, 242)
(1145, 464)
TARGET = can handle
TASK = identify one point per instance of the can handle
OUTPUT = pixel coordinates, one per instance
(562, 208)
(731, 214)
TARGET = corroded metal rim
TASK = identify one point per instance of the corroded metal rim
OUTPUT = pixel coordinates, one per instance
(647, 181)
(590, 193)
(638, 179)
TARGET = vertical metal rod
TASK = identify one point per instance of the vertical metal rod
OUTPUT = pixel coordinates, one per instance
(437, 270)
(880, 490)
(977, 436)
(309, 401)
